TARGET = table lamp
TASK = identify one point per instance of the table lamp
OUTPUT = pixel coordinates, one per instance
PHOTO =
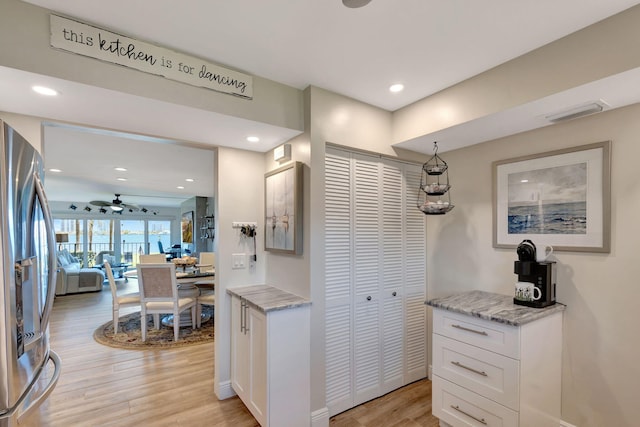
(61, 238)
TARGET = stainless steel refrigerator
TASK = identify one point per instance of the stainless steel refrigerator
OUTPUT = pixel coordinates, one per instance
(27, 281)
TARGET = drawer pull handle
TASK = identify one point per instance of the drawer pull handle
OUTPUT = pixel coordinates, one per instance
(483, 373)
(470, 330)
(480, 420)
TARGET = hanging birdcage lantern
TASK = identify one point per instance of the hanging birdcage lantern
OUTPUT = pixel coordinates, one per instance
(434, 197)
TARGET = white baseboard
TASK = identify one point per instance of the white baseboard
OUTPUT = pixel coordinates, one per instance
(224, 390)
(320, 418)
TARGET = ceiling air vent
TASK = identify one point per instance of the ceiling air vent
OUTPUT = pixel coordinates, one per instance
(578, 111)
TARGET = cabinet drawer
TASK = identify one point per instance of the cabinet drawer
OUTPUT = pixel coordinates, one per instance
(492, 336)
(489, 374)
(461, 407)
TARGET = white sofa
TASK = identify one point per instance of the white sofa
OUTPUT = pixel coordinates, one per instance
(72, 279)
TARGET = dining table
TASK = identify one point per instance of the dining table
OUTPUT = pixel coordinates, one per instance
(188, 287)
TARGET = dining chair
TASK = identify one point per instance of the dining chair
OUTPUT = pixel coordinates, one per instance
(167, 255)
(208, 261)
(159, 295)
(208, 298)
(152, 258)
(119, 301)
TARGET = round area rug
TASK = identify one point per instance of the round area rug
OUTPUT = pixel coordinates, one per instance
(129, 335)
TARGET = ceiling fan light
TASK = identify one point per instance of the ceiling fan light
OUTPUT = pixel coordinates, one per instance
(116, 208)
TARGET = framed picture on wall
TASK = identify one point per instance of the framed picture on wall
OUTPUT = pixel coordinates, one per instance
(187, 227)
(559, 198)
(283, 209)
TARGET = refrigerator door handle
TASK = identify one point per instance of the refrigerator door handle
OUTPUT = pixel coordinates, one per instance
(51, 246)
(35, 403)
(53, 356)
(15, 410)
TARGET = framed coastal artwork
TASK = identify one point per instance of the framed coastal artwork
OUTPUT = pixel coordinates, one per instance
(560, 198)
(187, 227)
(283, 209)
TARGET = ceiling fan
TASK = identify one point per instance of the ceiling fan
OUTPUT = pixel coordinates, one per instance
(116, 204)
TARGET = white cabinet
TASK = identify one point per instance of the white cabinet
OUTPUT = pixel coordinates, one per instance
(248, 366)
(270, 352)
(487, 373)
(375, 278)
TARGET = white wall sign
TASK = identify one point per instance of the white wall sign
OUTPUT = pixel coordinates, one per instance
(87, 40)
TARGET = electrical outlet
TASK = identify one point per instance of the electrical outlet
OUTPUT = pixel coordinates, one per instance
(239, 261)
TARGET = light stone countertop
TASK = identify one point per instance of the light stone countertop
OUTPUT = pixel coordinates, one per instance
(495, 307)
(268, 298)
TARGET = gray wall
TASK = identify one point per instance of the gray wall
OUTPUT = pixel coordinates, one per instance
(200, 208)
(600, 346)
(240, 198)
(273, 103)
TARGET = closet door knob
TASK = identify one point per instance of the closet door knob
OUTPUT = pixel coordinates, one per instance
(369, 298)
(394, 293)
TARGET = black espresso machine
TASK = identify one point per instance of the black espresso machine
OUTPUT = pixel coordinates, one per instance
(541, 274)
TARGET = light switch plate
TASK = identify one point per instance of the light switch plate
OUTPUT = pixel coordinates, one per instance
(239, 261)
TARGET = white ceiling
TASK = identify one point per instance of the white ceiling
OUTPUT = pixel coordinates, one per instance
(154, 168)
(427, 45)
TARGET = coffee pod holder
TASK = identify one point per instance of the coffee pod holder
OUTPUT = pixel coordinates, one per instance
(434, 184)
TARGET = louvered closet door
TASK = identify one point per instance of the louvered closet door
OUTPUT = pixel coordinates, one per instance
(338, 259)
(392, 326)
(375, 278)
(366, 263)
(415, 261)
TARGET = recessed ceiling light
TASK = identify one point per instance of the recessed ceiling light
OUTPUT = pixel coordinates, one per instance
(45, 90)
(189, 180)
(524, 180)
(120, 169)
(253, 139)
(121, 179)
(398, 87)
(180, 187)
(55, 170)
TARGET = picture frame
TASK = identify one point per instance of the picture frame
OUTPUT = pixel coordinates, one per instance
(283, 209)
(560, 198)
(187, 227)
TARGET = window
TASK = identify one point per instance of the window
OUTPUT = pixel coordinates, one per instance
(126, 239)
(159, 235)
(101, 238)
(133, 241)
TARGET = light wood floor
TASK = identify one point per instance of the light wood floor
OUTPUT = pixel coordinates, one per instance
(103, 386)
